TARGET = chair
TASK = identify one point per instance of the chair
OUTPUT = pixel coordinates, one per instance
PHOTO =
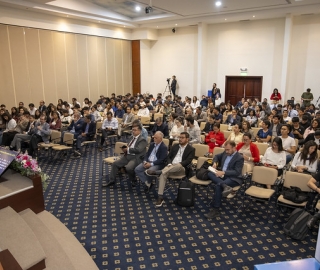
(262, 147)
(217, 150)
(223, 127)
(202, 125)
(145, 121)
(174, 142)
(197, 181)
(294, 179)
(155, 116)
(116, 154)
(201, 151)
(255, 131)
(263, 176)
(166, 142)
(98, 130)
(226, 133)
(55, 139)
(67, 143)
(119, 120)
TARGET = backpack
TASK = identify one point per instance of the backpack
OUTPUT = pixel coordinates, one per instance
(186, 193)
(295, 195)
(296, 227)
(202, 172)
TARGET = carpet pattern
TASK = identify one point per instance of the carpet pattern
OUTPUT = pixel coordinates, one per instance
(121, 229)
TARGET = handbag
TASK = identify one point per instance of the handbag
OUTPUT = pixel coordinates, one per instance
(295, 195)
(202, 172)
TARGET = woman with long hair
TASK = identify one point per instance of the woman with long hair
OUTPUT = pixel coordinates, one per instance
(314, 125)
(251, 118)
(264, 134)
(14, 113)
(236, 134)
(55, 122)
(135, 109)
(275, 96)
(214, 138)
(246, 128)
(195, 103)
(306, 161)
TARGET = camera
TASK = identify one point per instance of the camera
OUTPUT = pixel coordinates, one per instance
(168, 80)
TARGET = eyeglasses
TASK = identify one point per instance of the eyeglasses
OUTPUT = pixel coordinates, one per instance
(182, 137)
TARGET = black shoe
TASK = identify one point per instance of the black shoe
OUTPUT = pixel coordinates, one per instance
(110, 183)
(134, 183)
(148, 188)
(212, 214)
(152, 172)
(226, 191)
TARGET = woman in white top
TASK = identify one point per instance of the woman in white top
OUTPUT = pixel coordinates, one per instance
(10, 124)
(251, 118)
(306, 161)
(144, 111)
(107, 109)
(288, 143)
(235, 135)
(85, 103)
(195, 103)
(176, 129)
(275, 156)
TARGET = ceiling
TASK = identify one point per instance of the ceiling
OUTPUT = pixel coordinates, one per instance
(168, 13)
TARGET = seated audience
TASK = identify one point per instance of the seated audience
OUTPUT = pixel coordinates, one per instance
(177, 129)
(127, 120)
(288, 143)
(143, 111)
(214, 138)
(87, 134)
(235, 135)
(251, 118)
(264, 134)
(217, 115)
(228, 167)
(209, 125)
(249, 151)
(244, 111)
(134, 153)
(306, 160)
(75, 126)
(260, 114)
(286, 118)
(166, 110)
(233, 118)
(21, 126)
(155, 159)
(312, 128)
(179, 158)
(65, 119)
(314, 184)
(10, 124)
(159, 125)
(200, 116)
(109, 127)
(246, 128)
(314, 137)
(55, 122)
(119, 112)
(275, 126)
(193, 130)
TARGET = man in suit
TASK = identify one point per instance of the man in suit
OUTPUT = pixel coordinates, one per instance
(75, 127)
(180, 156)
(245, 110)
(88, 131)
(42, 107)
(155, 159)
(40, 133)
(233, 118)
(133, 155)
(231, 163)
(127, 120)
(275, 126)
(173, 86)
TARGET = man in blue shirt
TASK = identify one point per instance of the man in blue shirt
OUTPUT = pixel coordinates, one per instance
(217, 116)
(229, 176)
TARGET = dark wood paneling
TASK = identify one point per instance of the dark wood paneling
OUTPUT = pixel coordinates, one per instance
(235, 85)
(136, 71)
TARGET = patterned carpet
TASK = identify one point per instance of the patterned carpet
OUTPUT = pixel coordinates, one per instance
(121, 228)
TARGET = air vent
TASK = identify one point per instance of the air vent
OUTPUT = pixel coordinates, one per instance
(244, 21)
(307, 14)
(193, 25)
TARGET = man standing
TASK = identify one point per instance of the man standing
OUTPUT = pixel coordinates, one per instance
(307, 97)
(109, 126)
(231, 163)
(173, 85)
(154, 160)
(133, 155)
(180, 156)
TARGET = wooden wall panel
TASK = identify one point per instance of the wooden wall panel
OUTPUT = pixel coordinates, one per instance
(92, 69)
(19, 64)
(82, 56)
(34, 65)
(136, 71)
(48, 70)
(118, 67)
(127, 78)
(110, 66)
(102, 67)
(7, 93)
(72, 66)
(60, 65)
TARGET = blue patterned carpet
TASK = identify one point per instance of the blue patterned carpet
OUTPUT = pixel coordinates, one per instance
(121, 229)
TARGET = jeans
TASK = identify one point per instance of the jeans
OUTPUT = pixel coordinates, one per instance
(139, 170)
(218, 188)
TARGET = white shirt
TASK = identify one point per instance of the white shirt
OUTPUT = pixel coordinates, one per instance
(277, 159)
(144, 112)
(287, 143)
(297, 161)
(178, 157)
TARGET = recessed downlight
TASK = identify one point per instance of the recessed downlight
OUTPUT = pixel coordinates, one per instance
(218, 3)
(137, 8)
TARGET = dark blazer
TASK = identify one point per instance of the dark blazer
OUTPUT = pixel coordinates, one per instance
(208, 127)
(163, 128)
(187, 157)
(91, 131)
(245, 114)
(77, 126)
(234, 122)
(139, 149)
(161, 154)
(278, 128)
(234, 168)
(42, 108)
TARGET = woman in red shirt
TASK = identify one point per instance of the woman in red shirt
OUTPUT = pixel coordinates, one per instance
(214, 138)
(249, 151)
(276, 96)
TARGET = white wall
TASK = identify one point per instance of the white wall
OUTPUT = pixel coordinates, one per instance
(256, 45)
(304, 57)
(171, 54)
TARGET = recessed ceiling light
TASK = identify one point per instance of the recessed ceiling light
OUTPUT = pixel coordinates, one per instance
(98, 21)
(157, 26)
(176, 24)
(225, 19)
(138, 8)
(218, 3)
(124, 26)
(253, 16)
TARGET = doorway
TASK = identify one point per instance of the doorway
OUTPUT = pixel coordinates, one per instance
(243, 86)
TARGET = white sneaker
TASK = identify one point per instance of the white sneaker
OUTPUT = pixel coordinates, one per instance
(231, 195)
